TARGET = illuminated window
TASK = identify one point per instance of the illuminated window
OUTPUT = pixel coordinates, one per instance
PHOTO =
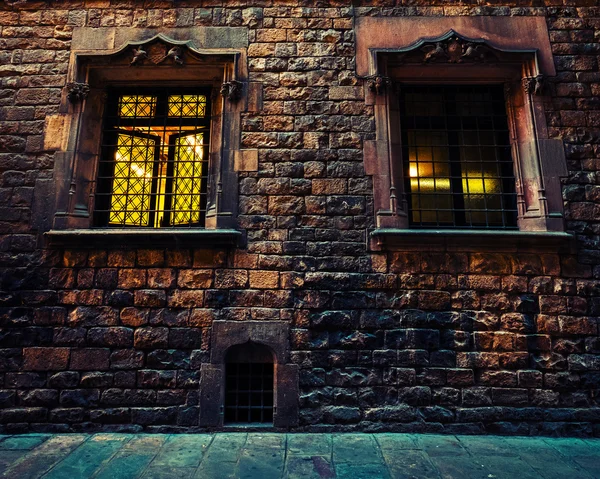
(153, 168)
(460, 170)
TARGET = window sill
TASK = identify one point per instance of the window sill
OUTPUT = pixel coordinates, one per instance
(470, 240)
(118, 238)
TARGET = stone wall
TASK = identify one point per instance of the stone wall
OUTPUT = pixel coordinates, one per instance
(449, 341)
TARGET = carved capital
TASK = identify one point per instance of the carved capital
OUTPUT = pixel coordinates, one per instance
(377, 83)
(232, 90)
(533, 85)
(77, 92)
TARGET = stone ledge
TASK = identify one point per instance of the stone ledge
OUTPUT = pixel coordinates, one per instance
(113, 238)
(470, 240)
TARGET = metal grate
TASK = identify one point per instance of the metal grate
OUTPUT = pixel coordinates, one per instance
(249, 392)
(153, 166)
(459, 169)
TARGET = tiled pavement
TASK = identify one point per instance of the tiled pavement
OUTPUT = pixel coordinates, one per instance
(266, 455)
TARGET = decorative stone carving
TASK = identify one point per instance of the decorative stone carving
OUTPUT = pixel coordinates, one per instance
(533, 85)
(175, 54)
(77, 92)
(450, 48)
(377, 83)
(232, 90)
(456, 50)
(139, 54)
(157, 52)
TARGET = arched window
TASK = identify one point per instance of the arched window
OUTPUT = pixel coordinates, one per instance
(249, 375)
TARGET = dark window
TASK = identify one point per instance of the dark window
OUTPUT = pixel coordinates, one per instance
(249, 374)
(458, 166)
(153, 165)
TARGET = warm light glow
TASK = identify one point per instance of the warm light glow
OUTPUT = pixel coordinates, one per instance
(140, 172)
(157, 167)
(422, 178)
(187, 106)
(429, 185)
(479, 185)
(137, 106)
(130, 200)
(187, 179)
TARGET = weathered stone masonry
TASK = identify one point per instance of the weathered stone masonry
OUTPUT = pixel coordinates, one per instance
(497, 337)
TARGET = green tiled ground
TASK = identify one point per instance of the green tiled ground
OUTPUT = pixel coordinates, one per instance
(305, 456)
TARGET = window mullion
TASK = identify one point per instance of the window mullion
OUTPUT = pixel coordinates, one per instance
(454, 157)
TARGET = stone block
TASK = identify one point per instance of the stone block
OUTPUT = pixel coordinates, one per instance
(64, 380)
(134, 317)
(150, 298)
(45, 359)
(96, 380)
(90, 359)
(151, 338)
(194, 278)
(126, 359)
(264, 279)
(112, 337)
(79, 397)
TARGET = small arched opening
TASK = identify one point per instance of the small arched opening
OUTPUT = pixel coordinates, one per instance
(249, 384)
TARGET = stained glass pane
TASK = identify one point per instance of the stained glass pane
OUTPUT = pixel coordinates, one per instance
(132, 184)
(137, 106)
(154, 149)
(187, 179)
(190, 106)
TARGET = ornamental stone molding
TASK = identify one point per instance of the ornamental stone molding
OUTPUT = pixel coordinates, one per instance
(77, 92)
(459, 50)
(232, 90)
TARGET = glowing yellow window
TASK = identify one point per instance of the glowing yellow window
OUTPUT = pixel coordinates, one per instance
(187, 179)
(187, 105)
(153, 169)
(133, 176)
(459, 169)
(137, 106)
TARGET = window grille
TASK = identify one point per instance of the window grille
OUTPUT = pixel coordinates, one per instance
(248, 392)
(153, 165)
(458, 167)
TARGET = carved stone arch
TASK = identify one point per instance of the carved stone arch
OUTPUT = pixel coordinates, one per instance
(250, 351)
(227, 334)
(272, 334)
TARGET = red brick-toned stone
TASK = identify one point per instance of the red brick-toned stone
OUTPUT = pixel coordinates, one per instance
(195, 278)
(45, 359)
(264, 279)
(486, 331)
(90, 359)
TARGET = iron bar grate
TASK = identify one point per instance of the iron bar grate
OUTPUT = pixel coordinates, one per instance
(458, 167)
(154, 159)
(249, 393)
